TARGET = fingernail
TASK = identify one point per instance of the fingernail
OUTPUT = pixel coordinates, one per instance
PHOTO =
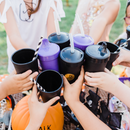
(57, 97)
(36, 73)
(30, 71)
(113, 64)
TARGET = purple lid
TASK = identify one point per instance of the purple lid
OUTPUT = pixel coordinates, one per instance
(82, 42)
(48, 51)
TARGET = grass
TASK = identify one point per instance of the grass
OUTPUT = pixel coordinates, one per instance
(65, 26)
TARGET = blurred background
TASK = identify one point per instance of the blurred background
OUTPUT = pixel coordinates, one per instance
(65, 25)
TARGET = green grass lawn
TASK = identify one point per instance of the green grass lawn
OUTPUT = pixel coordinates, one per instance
(65, 27)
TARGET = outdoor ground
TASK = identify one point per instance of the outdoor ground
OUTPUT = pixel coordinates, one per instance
(65, 25)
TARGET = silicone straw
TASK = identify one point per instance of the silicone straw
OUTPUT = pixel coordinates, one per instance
(80, 24)
(71, 43)
(56, 21)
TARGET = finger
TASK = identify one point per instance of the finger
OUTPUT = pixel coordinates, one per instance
(34, 75)
(93, 85)
(91, 80)
(107, 71)
(81, 77)
(51, 101)
(34, 94)
(82, 71)
(14, 72)
(94, 75)
(117, 61)
(40, 68)
(28, 86)
(66, 83)
(24, 75)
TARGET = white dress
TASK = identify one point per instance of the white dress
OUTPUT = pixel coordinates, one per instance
(30, 29)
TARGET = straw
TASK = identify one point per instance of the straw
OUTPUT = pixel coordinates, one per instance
(39, 44)
(56, 21)
(37, 84)
(80, 25)
(125, 44)
(71, 42)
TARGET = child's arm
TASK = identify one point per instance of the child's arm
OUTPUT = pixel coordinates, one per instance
(86, 118)
(37, 109)
(107, 16)
(16, 83)
(123, 59)
(110, 83)
(50, 20)
(12, 29)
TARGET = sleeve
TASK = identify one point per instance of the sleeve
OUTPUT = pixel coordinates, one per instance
(7, 5)
(59, 9)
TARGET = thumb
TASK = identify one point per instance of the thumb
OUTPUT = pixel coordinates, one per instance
(117, 61)
(51, 101)
(34, 93)
(108, 72)
(66, 83)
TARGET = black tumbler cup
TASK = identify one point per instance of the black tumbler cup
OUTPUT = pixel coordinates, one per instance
(70, 63)
(22, 60)
(51, 81)
(96, 58)
(62, 40)
(113, 54)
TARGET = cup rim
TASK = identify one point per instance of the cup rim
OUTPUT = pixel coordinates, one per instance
(112, 44)
(55, 72)
(61, 57)
(59, 35)
(23, 63)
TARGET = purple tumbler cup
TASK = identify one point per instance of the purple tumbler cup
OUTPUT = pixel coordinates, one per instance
(82, 42)
(48, 55)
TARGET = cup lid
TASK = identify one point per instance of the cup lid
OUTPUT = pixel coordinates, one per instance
(83, 40)
(54, 38)
(48, 51)
(69, 57)
(98, 51)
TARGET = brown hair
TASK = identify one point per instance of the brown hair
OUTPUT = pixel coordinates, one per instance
(125, 25)
(30, 9)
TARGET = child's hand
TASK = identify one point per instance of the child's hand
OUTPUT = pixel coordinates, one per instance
(16, 83)
(103, 80)
(123, 58)
(37, 110)
(72, 91)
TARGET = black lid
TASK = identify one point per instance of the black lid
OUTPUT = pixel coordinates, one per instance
(69, 57)
(54, 38)
(98, 51)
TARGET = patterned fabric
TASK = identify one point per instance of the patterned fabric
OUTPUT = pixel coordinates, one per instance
(88, 11)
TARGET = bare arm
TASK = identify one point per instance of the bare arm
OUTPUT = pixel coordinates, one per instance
(83, 114)
(107, 17)
(12, 29)
(87, 119)
(16, 83)
(123, 93)
(110, 83)
(50, 22)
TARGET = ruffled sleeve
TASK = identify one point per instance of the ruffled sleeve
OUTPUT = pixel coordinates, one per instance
(3, 18)
(59, 9)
